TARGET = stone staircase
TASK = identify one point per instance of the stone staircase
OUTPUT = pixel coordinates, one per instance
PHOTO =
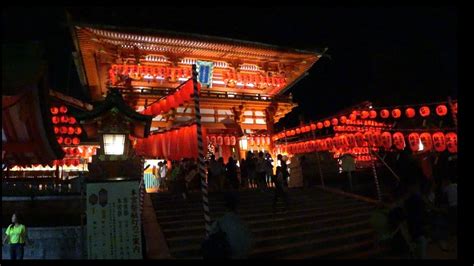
(318, 224)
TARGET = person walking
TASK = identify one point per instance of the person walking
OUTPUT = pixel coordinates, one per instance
(244, 176)
(261, 172)
(281, 190)
(16, 237)
(235, 241)
(231, 174)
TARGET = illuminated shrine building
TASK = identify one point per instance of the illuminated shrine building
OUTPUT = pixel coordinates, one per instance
(243, 100)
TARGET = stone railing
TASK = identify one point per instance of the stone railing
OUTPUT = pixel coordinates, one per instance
(64, 242)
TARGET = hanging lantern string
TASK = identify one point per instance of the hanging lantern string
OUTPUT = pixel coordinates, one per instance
(352, 132)
(359, 109)
(406, 106)
(169, 94)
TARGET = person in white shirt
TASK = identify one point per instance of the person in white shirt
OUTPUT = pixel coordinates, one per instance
(162, 171)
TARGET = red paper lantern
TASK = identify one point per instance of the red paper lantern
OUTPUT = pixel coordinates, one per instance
(313, 126)
(386, 140)
(334, 121)
(298, 131)
(164, 105)
(214, 139)
(292, 132)
(70, 130)
(441, 110)
(75, 162)
(396, 113)
(60, 139)
(219, 140)
(308, 128)
(63, 109)
(78, 130)
(343, 119)
(439, 141)
(322, 145)
(55, 120)
(360, 139)
(399, 140)
(410, 112)
(364, 115)
(267, 140)
(67, 141)
(329, 143)
(384, 113)
(320, 125)
(72, 120)
(63, 130)
(171, 102)
(424, 111)
(64, 119)
(327, 123)
(414, 141)
(372, 114)
(369, 136)
(233, 140)
(227, 140)
(56, 130)
(352, 117)
(377, 139)
(452, 142)
(427, 141)
(351, 140)
(54, 110)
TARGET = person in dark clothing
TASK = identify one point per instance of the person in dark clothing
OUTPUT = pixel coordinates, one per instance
(415, 211)
(231, 174)
(261, 172)
(280, 188)
(251, 169)
(284, 168)
(244, 174)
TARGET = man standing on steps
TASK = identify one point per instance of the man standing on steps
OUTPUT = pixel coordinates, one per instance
(261, 172)
(238, 235)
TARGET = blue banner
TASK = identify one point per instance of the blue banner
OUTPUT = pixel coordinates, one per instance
(205, 72)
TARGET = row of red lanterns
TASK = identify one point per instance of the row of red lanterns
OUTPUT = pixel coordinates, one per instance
(67, 162)
(437, 141)
(410, 112)
(64, 126)
(441, 110)
(68, 130)
(184, 94)
(222, 140)
(259, 140)
(173, 73)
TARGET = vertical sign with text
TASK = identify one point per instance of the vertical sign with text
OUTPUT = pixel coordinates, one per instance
(113, 220)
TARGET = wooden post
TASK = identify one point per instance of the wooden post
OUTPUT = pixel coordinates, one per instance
(202, 170)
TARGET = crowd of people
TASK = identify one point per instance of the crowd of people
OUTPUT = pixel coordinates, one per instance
(419, 211)
(254, 171)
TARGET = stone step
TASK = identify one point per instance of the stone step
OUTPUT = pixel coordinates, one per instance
(265, 230)
(278, 239)
(277, 219)
(267, 213)
(192, 202)
(331, 252)
(256, 207)
(281, 250)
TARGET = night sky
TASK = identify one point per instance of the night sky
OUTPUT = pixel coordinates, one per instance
(389, 56)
